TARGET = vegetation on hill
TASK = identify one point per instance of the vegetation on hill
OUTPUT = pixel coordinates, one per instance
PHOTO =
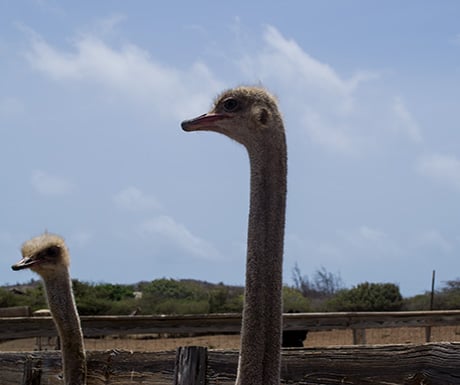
(325, 291)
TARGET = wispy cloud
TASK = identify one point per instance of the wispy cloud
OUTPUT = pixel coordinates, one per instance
(177, 234)
(442, 168)
(284, 62)
(327, 134)
(334, 111)
(46, 184)
(405, 122)
(315, 91)
(128, 71)
(131, 198)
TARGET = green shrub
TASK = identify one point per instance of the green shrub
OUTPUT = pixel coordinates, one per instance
(181, 306)
(294, 301)
(418, 302)
(7, 298)
(224, 300)
(368, 297)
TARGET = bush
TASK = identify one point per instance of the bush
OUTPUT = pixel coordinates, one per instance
(7, 298)
(180, 306)
(418, 302)
(103, 298)
(368, 297)
(161, 289)
(448, 298)
(224, 300)
(294, 301)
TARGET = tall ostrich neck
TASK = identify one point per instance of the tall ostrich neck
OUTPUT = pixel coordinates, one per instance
(62, 306)
(262, 315)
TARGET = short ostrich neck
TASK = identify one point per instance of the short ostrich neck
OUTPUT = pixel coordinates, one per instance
(62, 306)
(262, 316)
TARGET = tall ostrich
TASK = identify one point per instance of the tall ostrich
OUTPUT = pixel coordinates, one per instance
(250, 116)
(48, 256)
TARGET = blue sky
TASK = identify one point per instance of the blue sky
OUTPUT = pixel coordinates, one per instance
(91, 99)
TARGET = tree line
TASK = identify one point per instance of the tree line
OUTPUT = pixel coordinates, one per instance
(323, 292)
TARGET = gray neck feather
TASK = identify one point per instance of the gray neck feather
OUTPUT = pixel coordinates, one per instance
(62, 306)
(260, 359)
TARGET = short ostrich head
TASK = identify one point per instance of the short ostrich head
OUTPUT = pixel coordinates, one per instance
(246, 114)
(45, 255)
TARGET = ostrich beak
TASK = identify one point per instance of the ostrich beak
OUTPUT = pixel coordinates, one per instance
(203, 122)
(24, 263)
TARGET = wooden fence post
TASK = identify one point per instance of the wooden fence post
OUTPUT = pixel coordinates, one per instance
(190, 367)
(359, 336)
(32, 372)
(427, 333)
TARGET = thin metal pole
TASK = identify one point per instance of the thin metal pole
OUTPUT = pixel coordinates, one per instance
(432, 290)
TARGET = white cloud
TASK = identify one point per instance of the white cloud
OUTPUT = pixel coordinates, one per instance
(283, 61)
(405, 122)
(169, 230)
(131, 198)
(329, 108)
(128, 71)
(326, 134)
(335, 112)
(443, 168)
(47, 184)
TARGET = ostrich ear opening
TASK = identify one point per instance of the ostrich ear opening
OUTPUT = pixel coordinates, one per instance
(262, 115)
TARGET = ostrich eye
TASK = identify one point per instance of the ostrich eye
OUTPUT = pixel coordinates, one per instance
(52, 251)
(230, 105)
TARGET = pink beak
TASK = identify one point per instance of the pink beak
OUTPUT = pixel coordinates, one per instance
(202, 122)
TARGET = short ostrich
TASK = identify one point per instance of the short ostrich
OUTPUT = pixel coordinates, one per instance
(250, 116)
(48, 256)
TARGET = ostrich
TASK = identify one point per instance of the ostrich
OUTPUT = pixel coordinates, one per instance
(48, 256)
(250, 116)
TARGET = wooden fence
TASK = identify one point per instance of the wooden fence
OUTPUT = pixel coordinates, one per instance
(429, 363)
(24, 327)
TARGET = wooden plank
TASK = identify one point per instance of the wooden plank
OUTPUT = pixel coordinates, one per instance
(359, 336)
(15, 311)
(190, 366)
(24, 327)
(434, 364)
(104, 368)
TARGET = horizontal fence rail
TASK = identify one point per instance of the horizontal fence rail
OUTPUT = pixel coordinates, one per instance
(434, 364)
(408, 364)
(25, 327)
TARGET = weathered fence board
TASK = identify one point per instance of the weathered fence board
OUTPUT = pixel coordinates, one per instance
(23, 327)
(190, 367)
(433, 364)
(15, 311)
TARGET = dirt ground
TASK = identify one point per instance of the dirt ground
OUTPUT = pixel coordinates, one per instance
(314, 339)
